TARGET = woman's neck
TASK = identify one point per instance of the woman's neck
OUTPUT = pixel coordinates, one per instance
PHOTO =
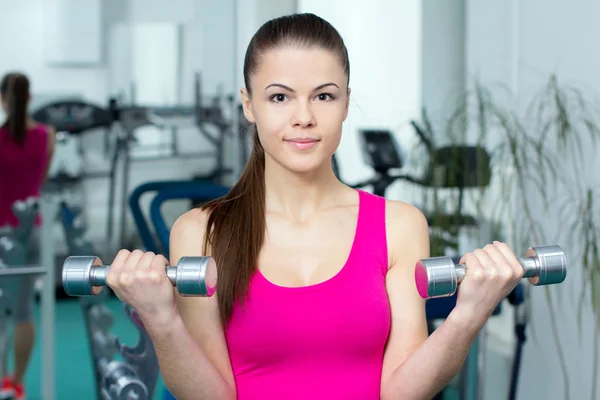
(299, 196)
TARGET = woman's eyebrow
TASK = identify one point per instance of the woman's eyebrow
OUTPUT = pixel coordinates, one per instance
(293, 91)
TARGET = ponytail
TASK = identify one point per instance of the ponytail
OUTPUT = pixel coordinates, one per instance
(15, 92)
(235, 231)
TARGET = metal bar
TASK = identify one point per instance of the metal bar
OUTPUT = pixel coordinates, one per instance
(19, 271)
(110, 216)
(238, 162)
(49, 210)
(198, 154)
(125, 189)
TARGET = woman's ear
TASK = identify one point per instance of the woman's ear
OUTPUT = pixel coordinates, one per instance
(347, 104)
(247, 105)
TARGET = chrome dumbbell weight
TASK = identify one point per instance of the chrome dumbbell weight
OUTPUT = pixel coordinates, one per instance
(193, 276)
(440, 277)
(120, 381)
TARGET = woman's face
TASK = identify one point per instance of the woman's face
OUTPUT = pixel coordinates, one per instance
(299, 102)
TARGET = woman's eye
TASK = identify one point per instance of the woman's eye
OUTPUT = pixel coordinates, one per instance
(325, 97)
(278, 98)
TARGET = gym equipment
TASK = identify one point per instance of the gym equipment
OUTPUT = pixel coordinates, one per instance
(16, 272)
(201, 190)
(100, 320)
(200, 115)
(136, 375)
(440, 276)
(455, 166)
(382, 153)
(120, 381)
(71, 119)
(75, 231)
(75, 117)
(26, 212)
(193, 276)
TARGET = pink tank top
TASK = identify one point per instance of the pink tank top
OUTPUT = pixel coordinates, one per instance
(22, 170)
(324, 341)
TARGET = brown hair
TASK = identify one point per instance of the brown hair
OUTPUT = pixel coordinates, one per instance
(236, 223)
(14, 89)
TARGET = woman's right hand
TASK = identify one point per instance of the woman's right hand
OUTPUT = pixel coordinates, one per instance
(492, 273)
(140, 280)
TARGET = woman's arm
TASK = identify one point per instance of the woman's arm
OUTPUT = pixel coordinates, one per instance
(416, 366)
(191, 348)
(50, 151)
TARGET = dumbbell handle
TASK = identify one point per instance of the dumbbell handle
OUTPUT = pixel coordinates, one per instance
(530, 268)
(99, 273)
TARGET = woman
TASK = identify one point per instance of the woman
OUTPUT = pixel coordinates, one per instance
(26, 150)
(316, 295)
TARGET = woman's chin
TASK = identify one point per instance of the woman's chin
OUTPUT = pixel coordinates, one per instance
(307, 167)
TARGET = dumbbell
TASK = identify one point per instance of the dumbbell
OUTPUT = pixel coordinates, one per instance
(440, 277)
(193, 276)
(120, 381)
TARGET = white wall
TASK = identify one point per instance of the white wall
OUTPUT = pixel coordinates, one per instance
(443, 58)
(24, 22)
(519, 44)
(251, 14)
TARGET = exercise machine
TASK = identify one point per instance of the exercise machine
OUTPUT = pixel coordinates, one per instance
(156, 239)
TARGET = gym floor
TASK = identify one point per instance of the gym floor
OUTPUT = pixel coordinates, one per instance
(74, 375)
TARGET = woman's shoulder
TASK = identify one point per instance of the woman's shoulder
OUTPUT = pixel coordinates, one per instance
(41, 128)
(187, 234)
(400, 213)
(190, 222)
(406, 226)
